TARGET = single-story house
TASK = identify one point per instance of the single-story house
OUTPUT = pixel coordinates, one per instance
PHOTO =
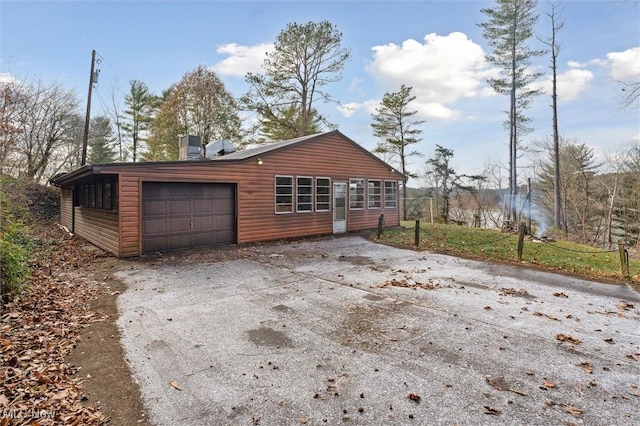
(313, 185)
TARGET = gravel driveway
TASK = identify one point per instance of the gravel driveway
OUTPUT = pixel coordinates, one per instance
(346, 331)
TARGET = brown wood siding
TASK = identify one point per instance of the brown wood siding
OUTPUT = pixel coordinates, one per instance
(100, 227)
(331, 157)
(129, 201)
(66, 208)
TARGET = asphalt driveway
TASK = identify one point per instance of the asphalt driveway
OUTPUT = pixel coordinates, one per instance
(345, 331)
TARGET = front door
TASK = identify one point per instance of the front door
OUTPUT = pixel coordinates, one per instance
(339, 207)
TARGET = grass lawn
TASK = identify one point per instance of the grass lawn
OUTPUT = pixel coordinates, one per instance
(491, 244)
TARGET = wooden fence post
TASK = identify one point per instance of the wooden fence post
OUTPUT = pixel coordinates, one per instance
(521, 232)
(380, 225)
(417, 235)
(624, 259)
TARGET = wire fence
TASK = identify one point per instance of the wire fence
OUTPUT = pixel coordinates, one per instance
(421, 232)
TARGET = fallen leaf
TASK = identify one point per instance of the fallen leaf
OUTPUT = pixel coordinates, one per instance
(491, 410)
(175, 384)
(566, 338)
(414, 397)
(573, 410)
(302, 420)
(587, 367)
(626, 306)
(549, 384)
(560, 294)
(610, 341)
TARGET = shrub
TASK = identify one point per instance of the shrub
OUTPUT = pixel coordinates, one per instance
(14, 256)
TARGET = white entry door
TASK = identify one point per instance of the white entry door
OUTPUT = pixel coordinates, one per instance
(339, 207)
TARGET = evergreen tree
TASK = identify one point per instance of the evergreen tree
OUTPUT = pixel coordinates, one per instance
(306, 58)
(393, 124)
(140, 104)
(101, 141)
(509, 27)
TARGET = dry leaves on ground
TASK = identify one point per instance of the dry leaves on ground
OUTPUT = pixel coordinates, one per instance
(566, 338)
(38, 330)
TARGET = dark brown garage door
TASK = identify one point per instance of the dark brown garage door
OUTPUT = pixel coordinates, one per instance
(187, 215)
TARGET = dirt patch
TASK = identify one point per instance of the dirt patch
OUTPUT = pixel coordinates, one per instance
(99, 357)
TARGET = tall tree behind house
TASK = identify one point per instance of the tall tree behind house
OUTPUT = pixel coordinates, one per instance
(508, 28)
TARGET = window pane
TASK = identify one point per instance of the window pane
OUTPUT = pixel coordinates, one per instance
(374, 194)
(284, 194)
(304, 201)
(356, 194)
(390, 194)
(323, 194)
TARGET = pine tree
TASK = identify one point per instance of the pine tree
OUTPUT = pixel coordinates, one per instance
(306, 58)
(101, 141)
(508, 28)
(392, 123)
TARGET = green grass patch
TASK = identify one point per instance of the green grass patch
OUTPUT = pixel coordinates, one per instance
(494, 245)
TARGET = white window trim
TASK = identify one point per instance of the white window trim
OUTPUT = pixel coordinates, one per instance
(315, 204)
(364, 193)
(380, 194)
(311, 195)
(275, 193)
(395, 199)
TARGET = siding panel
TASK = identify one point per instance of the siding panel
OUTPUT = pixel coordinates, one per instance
(66, 208)
(329, 156)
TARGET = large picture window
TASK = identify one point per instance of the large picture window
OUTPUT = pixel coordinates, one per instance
(374, 194)
(390, 194)
(304, 194)
(98, 194)
(323, 194)
(284, 194)
(356, 194)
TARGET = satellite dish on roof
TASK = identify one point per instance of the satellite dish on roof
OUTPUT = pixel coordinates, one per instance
(219, 148)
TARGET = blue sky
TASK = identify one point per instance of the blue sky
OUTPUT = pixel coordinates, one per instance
(434, 46)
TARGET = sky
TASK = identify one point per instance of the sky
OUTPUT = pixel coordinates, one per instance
(436, 47)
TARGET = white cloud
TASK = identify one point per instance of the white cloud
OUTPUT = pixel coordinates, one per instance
(347, 110)
(7, 78)
(570, 83)
(242, 59)
(625, 65)
(441, 70)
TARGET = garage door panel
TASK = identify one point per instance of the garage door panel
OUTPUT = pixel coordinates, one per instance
(203, 206)
(222, 236)
(203, 223)
(155, 244)
(203, 239)
(179, 190)
(154, 190)
(186, 215)
(154, 208)
(177, 242)
(155, 226)
(179, 207)
(203, 191)
(180, 224)
(224, 205)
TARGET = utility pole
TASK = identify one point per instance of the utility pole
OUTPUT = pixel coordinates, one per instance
(85, 138)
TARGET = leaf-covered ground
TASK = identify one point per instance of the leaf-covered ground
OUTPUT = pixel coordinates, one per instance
(38, 330)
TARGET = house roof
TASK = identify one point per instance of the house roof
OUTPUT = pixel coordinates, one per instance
(91, 169)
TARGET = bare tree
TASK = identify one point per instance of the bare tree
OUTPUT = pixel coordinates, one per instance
(554, 48)
(44, 117)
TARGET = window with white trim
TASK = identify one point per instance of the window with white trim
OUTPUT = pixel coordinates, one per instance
(284, 194)
(356, 194)
(390, 194)
(323, 194)
(304, 194)
(374, 194)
